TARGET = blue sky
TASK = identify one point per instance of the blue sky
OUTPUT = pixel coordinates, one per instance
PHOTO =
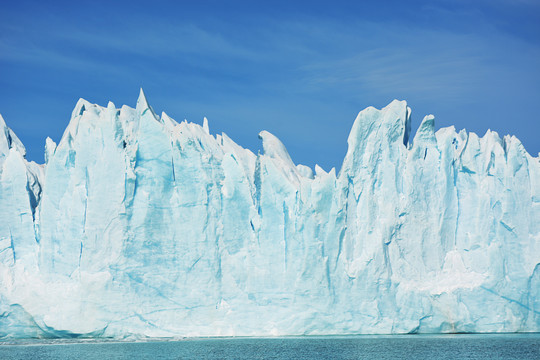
(301, 70)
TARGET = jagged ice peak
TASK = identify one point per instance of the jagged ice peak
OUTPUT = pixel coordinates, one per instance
(140, 226)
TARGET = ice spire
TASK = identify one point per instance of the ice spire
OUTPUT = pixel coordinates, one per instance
(274, 148)
(143, 106)
(426, 132)
(8, 139)
(205, 125)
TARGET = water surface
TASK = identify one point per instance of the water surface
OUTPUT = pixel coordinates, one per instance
(499, 346)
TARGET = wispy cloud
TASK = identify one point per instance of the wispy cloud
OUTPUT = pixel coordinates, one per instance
(288, 74)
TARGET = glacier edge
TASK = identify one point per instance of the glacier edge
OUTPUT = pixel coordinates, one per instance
(140, 226)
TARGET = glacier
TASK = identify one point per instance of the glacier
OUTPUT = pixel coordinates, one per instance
(140, 226)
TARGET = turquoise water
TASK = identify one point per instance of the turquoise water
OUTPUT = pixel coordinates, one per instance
(522, 346)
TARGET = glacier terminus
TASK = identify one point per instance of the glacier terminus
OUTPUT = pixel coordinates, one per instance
(139, 226)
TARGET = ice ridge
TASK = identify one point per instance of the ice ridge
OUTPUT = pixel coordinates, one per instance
(140, 226)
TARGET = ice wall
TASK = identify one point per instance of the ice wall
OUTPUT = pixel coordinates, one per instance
(137, 225)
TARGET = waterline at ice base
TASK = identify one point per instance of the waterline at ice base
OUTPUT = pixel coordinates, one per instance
(138, 226)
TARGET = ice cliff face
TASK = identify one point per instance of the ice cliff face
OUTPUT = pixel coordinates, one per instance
(137, 225)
